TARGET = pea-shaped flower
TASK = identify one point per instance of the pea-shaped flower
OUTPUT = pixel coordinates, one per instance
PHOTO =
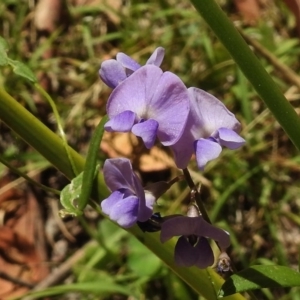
(210, 126)
(192, 247)
(151, 104)
(129, 201)
(114, 71)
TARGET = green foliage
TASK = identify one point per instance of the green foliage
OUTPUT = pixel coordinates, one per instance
(258, 277)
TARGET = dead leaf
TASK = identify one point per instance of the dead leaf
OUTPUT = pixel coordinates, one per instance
(249, 9)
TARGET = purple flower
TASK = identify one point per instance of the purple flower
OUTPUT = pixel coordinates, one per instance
(210, 126)
(114, 71)
(127, 204)
(150, 104)
(192, 248)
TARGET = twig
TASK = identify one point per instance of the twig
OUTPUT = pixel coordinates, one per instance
(61, 273)
(285, 71)
(15, 280)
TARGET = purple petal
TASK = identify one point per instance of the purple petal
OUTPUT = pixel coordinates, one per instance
(186, 226)
(206, 150)
(184, 254)
(147, 131)
(125, 212)
(205, 254)
(200, 255)
(122, 122)
(152, 94)
(183, 149)
(108, 203)
(128, 63)
(135, 93)
(170, 106)
(229, 138)
(118, 174)
(209, 114)
(157, 57)
(112, 73)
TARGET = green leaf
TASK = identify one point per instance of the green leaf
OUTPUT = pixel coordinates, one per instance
(90, 165)
(69, 196)
(139, 253)
(258, 277)
(21, 69)
(3, 50)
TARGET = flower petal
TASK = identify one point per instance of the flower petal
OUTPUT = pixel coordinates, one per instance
(229, 138)
(125, 212)
(108, 203)
(209, 114)
(112, 73)
(152, 94)
(200, 255)
(205, 256)
(206, 150)
(170, 106)
(135, 93)
(122, 122)
(128, 63)
(156, 57)
(182, 225)
(118, 175)
(147, 130)
(184, 254)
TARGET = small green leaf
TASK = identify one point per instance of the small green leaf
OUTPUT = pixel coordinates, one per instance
(3, 50)
(90, 170)
(258, 277)
(21, 69)
(69, 196)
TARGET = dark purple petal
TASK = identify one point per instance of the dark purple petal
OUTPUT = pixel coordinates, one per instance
(152, 94)
(186, 226)
(200, 255)
(145, 212)
(147, 130)
(122, 122)
(229, 138)
(108, 203)
(125, 212)
(206, 150)
(128, 63)
(205, 254)
(157, 57)
(184, 254)
(112, 73)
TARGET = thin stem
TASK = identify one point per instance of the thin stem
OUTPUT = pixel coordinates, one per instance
(21, 174)
(59, 125)
(197, 195)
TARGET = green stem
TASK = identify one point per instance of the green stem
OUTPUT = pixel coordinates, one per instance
(30, 180)
(251, 67)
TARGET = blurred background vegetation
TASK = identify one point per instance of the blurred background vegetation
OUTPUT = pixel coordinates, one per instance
(254, 192)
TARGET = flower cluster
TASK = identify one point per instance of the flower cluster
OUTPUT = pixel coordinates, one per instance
(156, 105)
